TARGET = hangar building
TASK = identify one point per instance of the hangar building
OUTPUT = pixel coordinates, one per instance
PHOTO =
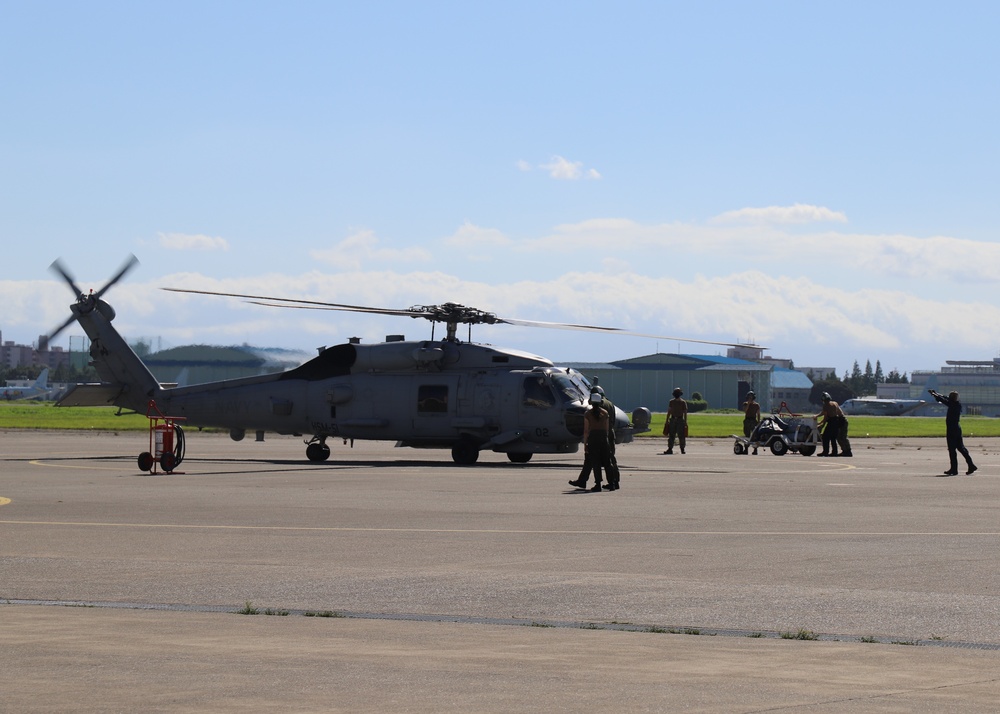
(648, 381)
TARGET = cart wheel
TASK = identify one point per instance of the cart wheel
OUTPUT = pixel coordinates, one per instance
(779, 447)
(168, 461)
(807, 450)
(738, 448)
(145, 461)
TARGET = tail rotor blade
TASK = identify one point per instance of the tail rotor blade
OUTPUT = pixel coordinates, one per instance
(55, 333)
(58, 267)
(129, 263)
(84, 302)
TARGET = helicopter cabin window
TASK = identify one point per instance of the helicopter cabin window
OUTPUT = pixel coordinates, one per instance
(432, 399)
(537, 394)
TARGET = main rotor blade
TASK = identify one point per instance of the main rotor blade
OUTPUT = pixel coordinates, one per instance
(269, 301)
(615, 331)
(445, 313)
(342, 308)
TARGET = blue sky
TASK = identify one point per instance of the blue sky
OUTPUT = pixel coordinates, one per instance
(821, 179)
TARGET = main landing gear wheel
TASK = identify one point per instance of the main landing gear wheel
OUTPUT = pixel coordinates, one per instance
(317, 451)
(519, 457)
(465, 453)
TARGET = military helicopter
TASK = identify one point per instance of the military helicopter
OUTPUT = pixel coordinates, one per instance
(437, 393)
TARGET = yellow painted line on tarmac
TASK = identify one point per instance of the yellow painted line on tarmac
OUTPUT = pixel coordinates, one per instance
(4, 501)
(498, 531)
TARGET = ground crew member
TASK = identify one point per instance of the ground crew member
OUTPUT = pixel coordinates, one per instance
(676, 426)
(751, 415)
(953, 432)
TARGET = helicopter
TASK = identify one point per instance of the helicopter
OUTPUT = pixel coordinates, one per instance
(433, 394)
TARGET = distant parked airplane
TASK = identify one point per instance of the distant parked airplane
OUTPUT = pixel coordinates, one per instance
(872, 406)
(40, 387)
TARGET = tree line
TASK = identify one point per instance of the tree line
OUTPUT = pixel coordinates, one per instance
(856, 383)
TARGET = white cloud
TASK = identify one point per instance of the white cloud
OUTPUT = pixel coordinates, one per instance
(847, 258)
(809, 319)
(472, 237)
(563, 169)
(363, 247)
(184, 241)
(796, 214)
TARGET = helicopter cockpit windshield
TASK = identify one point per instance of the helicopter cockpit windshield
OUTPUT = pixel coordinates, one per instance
(571, 385)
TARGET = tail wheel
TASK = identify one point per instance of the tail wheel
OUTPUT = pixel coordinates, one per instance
(519, 457)
(317, 451)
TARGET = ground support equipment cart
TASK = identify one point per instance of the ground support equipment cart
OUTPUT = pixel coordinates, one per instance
(166, 442)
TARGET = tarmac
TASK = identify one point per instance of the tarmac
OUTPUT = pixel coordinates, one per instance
(393, 580)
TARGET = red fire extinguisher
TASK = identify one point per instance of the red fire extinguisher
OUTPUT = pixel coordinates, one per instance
(164, 439)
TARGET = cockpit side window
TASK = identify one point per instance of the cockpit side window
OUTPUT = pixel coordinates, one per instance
(432, 398)
(537, 394)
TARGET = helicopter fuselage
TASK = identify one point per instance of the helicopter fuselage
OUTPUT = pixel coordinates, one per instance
(432, 394)
(463, 396)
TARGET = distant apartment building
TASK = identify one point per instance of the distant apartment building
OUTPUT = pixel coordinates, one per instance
(13, 355)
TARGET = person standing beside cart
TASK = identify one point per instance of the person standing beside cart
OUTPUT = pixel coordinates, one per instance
(834, 421)
(953, 432)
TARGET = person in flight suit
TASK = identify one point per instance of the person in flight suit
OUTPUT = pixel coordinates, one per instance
(953, 432)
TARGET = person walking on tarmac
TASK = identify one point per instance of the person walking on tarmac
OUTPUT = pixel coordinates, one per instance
(953, 432)
(613, 474)
(596, 423)
(676, 426)
(751, 415)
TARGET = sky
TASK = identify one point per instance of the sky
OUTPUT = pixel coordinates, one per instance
(819, 179)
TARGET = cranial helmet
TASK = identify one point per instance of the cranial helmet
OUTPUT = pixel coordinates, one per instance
(596, 399)
(827, 397)
(678, 391)
(599, 390)
(751, 394)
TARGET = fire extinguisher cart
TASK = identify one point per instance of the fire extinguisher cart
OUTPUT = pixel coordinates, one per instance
(166, 441)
